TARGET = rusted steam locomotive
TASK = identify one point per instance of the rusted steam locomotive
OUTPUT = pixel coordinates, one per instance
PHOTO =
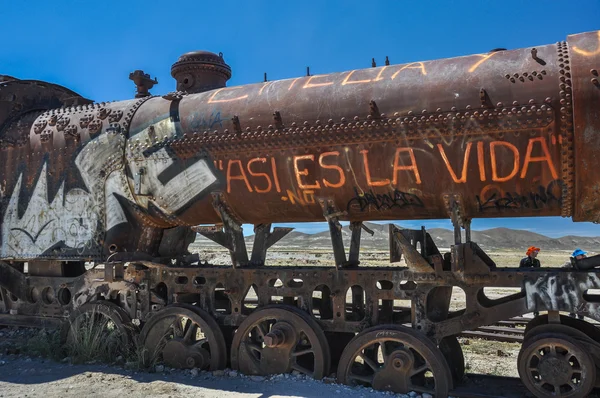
(125, 185)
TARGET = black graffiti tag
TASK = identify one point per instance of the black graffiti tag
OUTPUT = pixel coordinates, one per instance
(541, 197)
(385, 201)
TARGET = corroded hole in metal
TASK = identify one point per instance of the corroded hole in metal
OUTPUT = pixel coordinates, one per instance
(295, 283)
(250, 302)
(384, 285)
(294, 301)
(408, 285)
(199, 280)
(322, 305)
(112, 248)
(162, 291)
(34, 295)
(64, 296)
(48, 295)
(181, 280)
(457, 301)
(222, 302)
(275, 282)
(355, 303)
(491, 296)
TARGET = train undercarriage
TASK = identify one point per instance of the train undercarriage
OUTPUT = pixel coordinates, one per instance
(388, 327)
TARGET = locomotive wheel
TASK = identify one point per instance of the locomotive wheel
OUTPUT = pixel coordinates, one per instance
(184, 336)
(556, 365)
(452, 351)
(100, 322)
(395, 358)
(280, 339)
(574, 327)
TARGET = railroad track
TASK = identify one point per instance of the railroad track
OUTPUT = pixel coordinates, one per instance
(509, 331)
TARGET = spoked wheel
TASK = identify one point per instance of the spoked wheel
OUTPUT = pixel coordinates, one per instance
(397, 359)
(184, 336)
(556, 365)
(452, 351)
(280, 339)
(99, 325)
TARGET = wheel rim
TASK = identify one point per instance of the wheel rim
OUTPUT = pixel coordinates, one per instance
(556, 365)
(184, 336)
(397, 359)
(452, 351)
(102, 325)
(280, 339)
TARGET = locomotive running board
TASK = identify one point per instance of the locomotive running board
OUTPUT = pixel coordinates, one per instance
(31, 321)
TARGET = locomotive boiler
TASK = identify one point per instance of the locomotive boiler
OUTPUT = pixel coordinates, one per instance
(126, 185)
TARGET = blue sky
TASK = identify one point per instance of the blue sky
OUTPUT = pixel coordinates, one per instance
(91, 47)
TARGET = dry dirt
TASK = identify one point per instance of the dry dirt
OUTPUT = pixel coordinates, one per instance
(22, 376)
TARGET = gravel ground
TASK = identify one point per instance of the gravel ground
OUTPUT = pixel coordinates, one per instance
(34, 377)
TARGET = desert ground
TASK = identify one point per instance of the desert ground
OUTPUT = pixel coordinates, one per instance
(26, 373)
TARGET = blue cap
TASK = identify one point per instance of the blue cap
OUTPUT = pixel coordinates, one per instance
(578, 252)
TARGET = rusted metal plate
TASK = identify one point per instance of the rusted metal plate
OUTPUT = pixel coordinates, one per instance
(492, 133)
(581, 69)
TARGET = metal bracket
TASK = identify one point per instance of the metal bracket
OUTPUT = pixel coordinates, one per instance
(264, 239)
(229, 234)
(405, 241)
(332, 214)
(356, 227)
(114, 272)
(456, 211)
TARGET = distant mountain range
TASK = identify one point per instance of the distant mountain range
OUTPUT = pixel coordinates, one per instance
(495, 238)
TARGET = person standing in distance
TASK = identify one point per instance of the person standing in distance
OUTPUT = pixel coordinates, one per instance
(531, 260)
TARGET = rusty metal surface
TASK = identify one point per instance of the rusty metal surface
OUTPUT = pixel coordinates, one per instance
(506, 133)
(125, 185)
(583, 63)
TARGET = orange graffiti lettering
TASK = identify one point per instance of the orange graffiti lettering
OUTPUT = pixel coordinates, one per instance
(275, 178)
(263, 87)
(264, 175)
(308, 84)
(370, 182)
(304, 172)
(515, 169)
(546, 158)
(212, 99)
(412, 167)
(481, 161)
(293, 82)
(346, 81)
(308, 197)
(241, 176)
(378, 78)
(342, 179)
(420, 66)
(484, 58)
(463, 175)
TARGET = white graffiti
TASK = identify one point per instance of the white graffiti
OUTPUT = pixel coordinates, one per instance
(70, 218)
(73, 218)
(182, 188)
(78, 219)
(559, 292)
(179, 190)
